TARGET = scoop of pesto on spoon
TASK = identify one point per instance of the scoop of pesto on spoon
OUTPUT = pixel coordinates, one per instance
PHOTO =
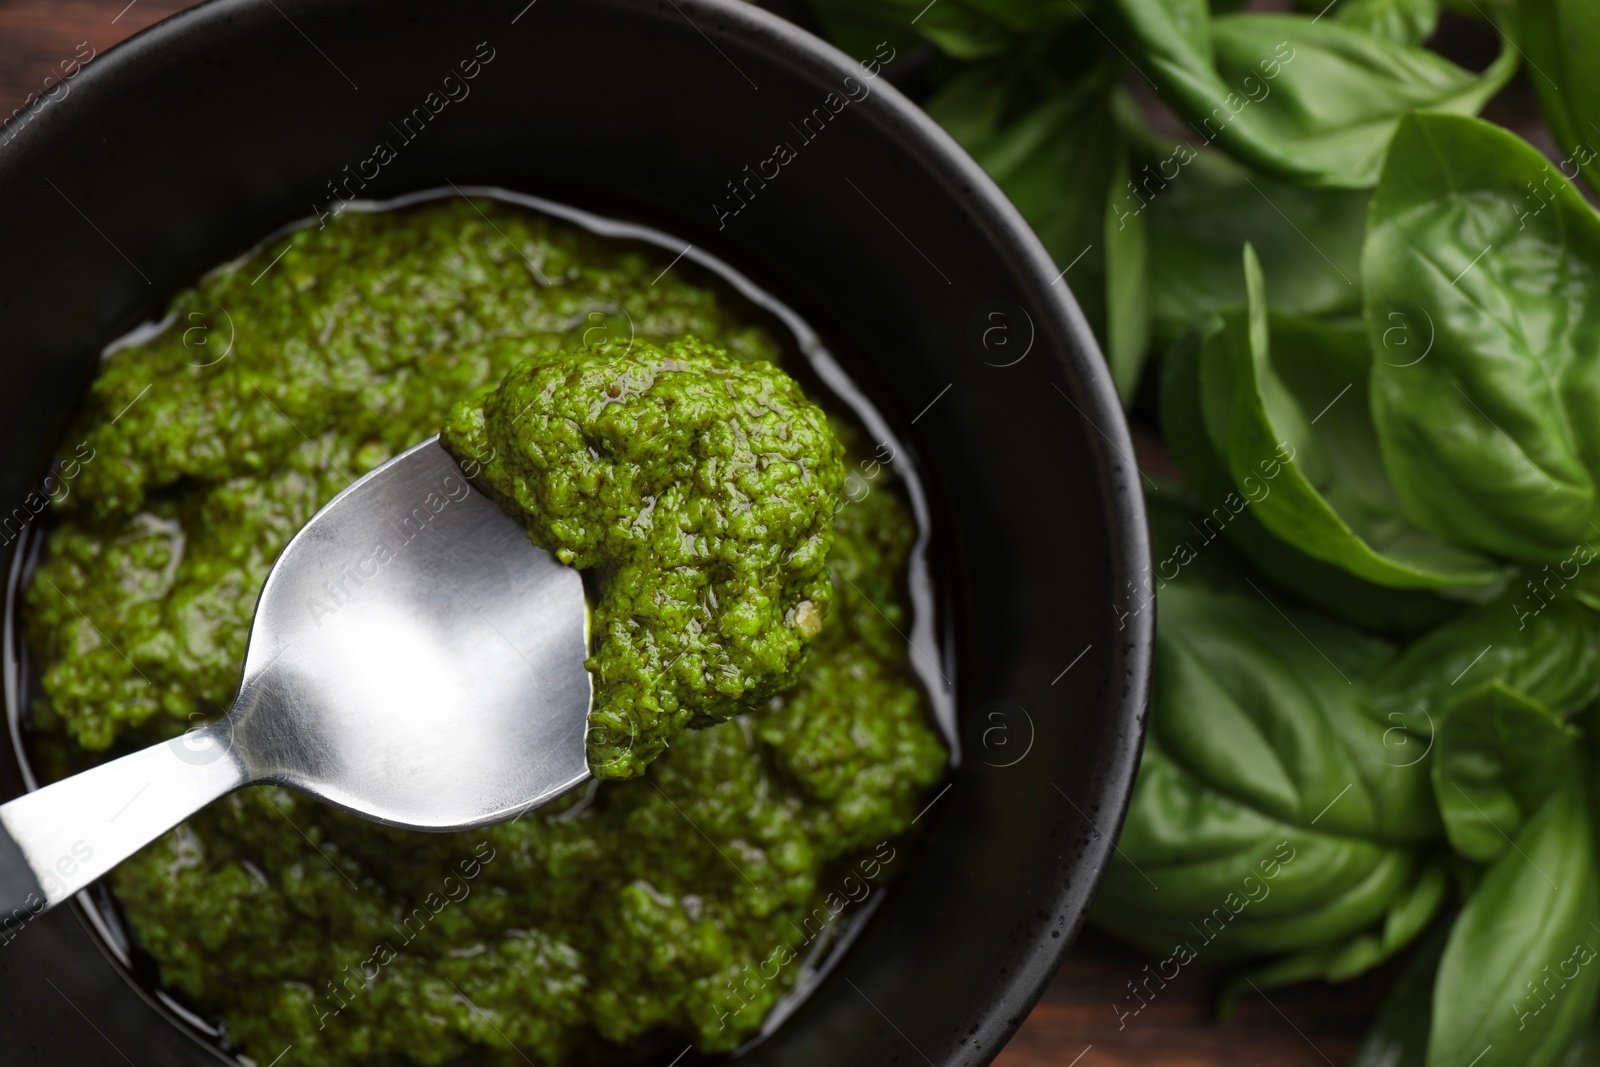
(701, 491)
(420, 651)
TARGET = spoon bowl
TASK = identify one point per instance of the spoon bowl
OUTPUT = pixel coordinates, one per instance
(414, 659)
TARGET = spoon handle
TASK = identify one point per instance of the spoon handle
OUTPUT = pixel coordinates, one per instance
(56, 840)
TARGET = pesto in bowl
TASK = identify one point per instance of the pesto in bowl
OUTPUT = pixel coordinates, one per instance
(688, 899)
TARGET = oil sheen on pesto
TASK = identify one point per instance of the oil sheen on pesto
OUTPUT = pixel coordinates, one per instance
(685, 900)
(703, 489)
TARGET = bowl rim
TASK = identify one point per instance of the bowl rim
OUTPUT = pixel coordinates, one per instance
(1079, 361)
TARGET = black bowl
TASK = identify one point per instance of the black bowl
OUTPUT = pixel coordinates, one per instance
(184, 146)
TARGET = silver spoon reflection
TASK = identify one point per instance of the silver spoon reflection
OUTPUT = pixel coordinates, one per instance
(414, 659)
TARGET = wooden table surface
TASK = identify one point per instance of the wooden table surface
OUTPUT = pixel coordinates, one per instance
(1075, 1025)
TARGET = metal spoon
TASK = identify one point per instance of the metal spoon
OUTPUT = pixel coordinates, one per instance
(414, 659)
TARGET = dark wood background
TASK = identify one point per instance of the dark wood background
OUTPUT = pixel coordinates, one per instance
(1076, 1024)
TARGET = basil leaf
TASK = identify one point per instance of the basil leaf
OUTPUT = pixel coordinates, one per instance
(1056, 163)
(1519, 978)
(1127, 294)
(1278, 724)
(858, 26)
(978, 29)
(1399, 1036)
(1561, 39)
(1202, 207)
(964, 29)
(1171, 509)
(1551, 656)
(963, 33)
(1264, 810)
(1312, 101)
(971, 105)
(1225, 510)
(1333, 499)
(1498, 756)
(1022, 16)
(1489, 430)
(1409, 912)
(1402, 21)
(1199, 873)
(1585, 1051)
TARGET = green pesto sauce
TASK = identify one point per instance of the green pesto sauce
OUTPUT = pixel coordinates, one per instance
(685, 900)
(702, 489)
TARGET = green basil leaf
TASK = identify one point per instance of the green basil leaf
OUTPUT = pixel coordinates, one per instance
(1024, 16)
(1402, 21)
(1409, 912)
(1127, 293)
(1561, 39)
(964, 29)
(1279, 724)
(858, 26)
(971, 105)
(1171, 509)
(978, 29)
(1552, 656)
(1399, 1035)
(1408, 916)
(1056, 163)
(1498, 756)
(962, 32)
(1519, 978)
(1585, 1051)
(1223, 510)
(1489, 428)
(1312, 101)
(1265, 819)
(1202, 207)
(1332, 499)
(1199, 873)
